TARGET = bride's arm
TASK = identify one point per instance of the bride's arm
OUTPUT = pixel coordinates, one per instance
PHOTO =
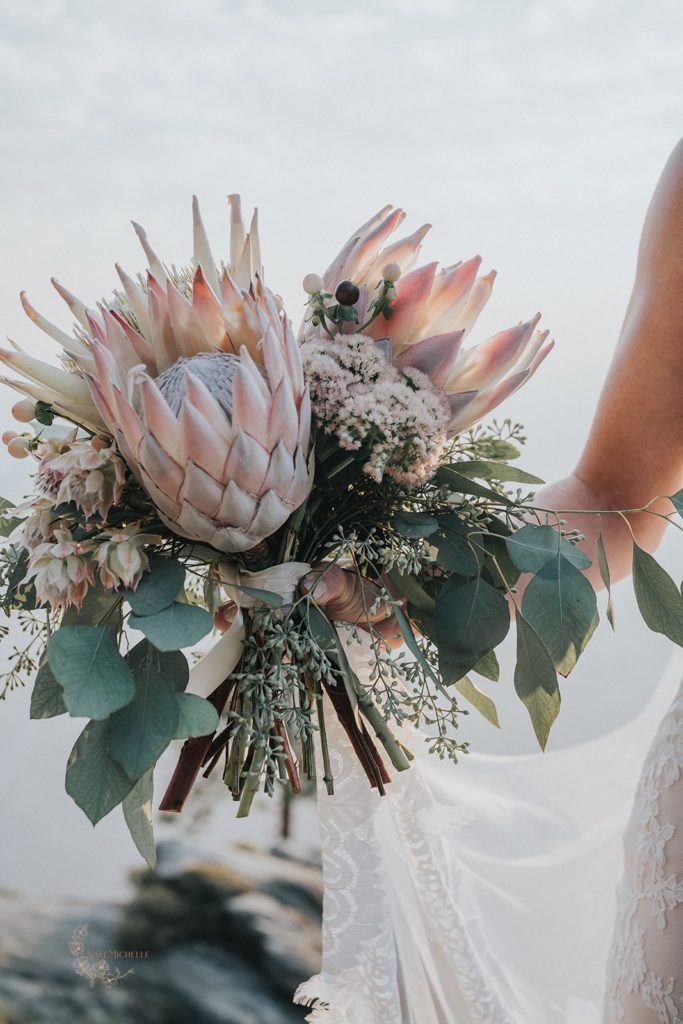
(635, 448)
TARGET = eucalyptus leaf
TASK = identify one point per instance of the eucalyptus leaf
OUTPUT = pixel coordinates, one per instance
(140, 732)
(265, 596)
(328, 639)
(536, 680)
(677, 501)
(158, 587)
(94, 780)
(488, 667)
(137, 811)
(413, 591)
(532, 547)
(196, 716)
(100, 608)
(47, 698)
(411, 642)
(481, 701)
(471, 619)
(415, 524)
(561, 605)
(659, 599)
(448, 476)
(8, 523)
(603, 566)
(454, 551)
(178, 625)
(484, 470)
(86, 662)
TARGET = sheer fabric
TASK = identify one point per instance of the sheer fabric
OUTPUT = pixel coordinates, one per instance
(645, 976)
(478, 892)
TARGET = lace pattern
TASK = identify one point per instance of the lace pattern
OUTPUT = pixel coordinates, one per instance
(645, 974)
(395, 949)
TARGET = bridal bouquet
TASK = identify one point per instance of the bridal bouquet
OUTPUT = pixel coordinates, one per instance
(227, 517)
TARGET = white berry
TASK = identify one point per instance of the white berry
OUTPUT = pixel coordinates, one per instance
(24, 411)
(313, 283)
(18, 447)
(391, 272)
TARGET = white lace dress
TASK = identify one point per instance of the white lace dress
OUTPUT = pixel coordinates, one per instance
(485, 892)
(645, 976)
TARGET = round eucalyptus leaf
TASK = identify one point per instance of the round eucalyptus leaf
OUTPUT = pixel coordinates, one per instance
(158, 587)
(179, 625)
(95, 679)
(197, 716)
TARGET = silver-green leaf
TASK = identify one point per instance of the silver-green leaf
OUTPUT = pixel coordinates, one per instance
(95, 679)
(536, 680)
(137, 810)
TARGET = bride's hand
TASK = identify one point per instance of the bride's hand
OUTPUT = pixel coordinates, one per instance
(348, 600)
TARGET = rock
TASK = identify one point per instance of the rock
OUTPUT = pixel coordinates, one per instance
(220, 941)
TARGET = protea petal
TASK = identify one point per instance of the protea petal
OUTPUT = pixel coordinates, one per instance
(203, 257)
(155, 265)
(78, 308)
(69, 343)
(409, 309)
(137, 300)
(486, 401)
(486, 363)
(434, 356)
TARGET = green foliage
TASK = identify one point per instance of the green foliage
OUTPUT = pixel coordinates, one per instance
(478, 699)
(179, 625)
(659, 599)
(47, 698)
(8, 523)
(603, 566)
(137, 811)
(157, 588)
(471, 619)
(44, 414)
(86, 662)
(449, 476)
(455, 551)
(536, 680)
(94, 779)
(561, 605)
(100, 608)
(140, 732)
(532, 547)
(484, 470)
(266, 596)
(488, 667)
(415, 524)
(196, 716)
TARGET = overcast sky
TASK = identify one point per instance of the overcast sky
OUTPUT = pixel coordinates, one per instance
(530, 132)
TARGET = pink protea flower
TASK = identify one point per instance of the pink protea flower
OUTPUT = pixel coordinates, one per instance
(62, 570)
(198, 378)
(75, 471)
(121, 558)
(433, 313)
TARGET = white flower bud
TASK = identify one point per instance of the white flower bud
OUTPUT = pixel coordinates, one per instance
(313, 283)
(24, 411)
(18, 447)
(391, 272)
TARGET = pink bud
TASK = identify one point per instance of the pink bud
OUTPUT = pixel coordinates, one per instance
(99, 443)
(18, 447)
(8, 435)
(24, 411)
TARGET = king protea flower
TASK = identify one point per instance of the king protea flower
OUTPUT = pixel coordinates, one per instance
(198, 378)
(433, 313)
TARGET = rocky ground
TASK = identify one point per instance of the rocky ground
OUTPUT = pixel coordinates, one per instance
(219, 942)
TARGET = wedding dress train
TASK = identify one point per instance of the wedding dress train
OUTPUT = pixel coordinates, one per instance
(486, 891)
(645, 976)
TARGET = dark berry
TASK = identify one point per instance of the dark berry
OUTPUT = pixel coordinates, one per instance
(347, 293)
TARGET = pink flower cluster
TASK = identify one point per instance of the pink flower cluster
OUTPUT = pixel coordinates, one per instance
(360, 398)
(72, 470)
(66, 558)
